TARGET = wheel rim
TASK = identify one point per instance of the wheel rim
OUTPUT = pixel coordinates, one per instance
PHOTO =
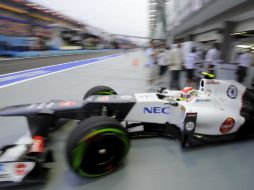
(100, 152)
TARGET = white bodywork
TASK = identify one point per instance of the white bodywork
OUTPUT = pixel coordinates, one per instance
(215, 101)
(12, 170)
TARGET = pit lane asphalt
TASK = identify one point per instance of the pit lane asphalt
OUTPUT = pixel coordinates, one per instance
(151, 164)
(14, 65)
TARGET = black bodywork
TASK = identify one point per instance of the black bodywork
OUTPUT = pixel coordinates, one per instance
(43, 118)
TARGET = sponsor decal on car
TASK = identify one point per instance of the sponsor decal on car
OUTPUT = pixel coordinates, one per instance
(232, 91)
(189, 126)
(3, 173)
(227, 125)
(213, 82)
(190, 122)
(146, 97)
(2, 168)
(156, 110)
(38, 144)
(67, 103)
(201, 100)
(21, 168)
(191, 115)
(126, 97)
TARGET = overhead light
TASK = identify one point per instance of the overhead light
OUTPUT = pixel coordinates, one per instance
(243, 46)
(153, 3)
(152, 10)
(238, 33)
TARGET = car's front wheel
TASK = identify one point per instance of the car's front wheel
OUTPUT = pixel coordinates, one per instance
(100, 90)
(97, 146)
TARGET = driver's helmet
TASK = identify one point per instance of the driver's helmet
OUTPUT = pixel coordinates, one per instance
(186, 93)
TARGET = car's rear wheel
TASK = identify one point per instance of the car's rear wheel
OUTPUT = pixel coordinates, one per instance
(97, 146)
(100, 90)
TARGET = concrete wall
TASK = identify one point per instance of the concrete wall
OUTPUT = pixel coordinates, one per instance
(205, 14)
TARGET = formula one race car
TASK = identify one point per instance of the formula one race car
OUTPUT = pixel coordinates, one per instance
(219, 111)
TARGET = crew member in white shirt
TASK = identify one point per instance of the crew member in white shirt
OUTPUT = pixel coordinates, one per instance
(212, 57)
(163, 62)
(151, 63)
(244, 62)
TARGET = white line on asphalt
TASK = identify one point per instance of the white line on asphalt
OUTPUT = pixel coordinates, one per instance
(46, 56)
(52, 65)
(18, 82)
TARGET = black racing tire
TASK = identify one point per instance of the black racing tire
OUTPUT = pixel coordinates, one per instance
(97, 146)
(100, 90)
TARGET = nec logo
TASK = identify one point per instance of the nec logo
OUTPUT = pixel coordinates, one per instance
(164, 110)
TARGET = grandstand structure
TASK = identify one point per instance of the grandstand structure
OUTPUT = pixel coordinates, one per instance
(29, 26)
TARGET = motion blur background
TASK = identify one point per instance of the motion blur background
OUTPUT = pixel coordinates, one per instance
(31, 26)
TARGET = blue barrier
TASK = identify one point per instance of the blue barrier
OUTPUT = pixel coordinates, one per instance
(16, 41)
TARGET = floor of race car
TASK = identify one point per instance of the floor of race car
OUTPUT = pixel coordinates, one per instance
(156, 163)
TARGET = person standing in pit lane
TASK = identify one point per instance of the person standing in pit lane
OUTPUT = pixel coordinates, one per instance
(212, 58)
(151, 62)
(163, 62)
(176, 63)
(190, 65)
(244, 61)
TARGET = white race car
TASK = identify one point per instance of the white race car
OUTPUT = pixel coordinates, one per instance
(219, 110)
